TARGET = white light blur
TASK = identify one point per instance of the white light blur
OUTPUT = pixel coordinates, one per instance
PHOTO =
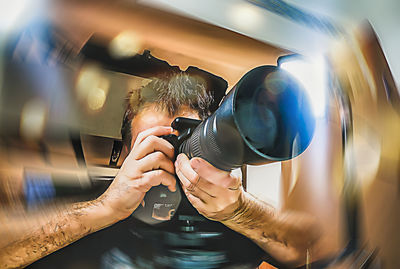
(125, 44)
(33, 119)
(88, 79)
(313, 75)
(92, 87)
(245, 16)
(96, 98)
(367, 151)
(13, 13)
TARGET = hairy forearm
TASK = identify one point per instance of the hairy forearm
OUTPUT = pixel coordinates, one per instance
(33, 237)
(286, 237)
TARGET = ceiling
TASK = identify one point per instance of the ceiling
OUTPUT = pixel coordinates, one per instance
(243, 17)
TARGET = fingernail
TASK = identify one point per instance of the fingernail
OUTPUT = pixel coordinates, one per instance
(179, 158)
(195, 163)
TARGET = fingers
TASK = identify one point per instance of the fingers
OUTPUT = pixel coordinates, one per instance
(211, 178)
(155, 178)
(191, 181)
(152, 144)
(192, 189)
(205, 169)
(213, 192)
(220, 178)
(196, 202)
(155, 161)
(155, 131)
(190, 178)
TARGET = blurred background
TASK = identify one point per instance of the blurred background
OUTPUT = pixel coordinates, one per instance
(66, 66)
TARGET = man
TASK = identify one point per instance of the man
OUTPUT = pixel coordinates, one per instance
(216, 194)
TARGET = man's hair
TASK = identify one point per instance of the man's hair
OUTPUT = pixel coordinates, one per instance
(169, 93)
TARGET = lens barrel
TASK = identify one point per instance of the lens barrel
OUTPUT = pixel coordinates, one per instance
(266, 117)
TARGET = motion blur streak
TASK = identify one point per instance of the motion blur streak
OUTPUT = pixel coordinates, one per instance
(125, 44)
(370, 117)
(348, 178)
(33, 119)
(92, 87)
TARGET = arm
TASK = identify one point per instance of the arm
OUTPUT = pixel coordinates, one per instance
(285, 236)
(26, 238)
(219, 196)
(31, 237)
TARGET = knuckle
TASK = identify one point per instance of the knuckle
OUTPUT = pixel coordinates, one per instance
(159, 173)
(190, 187)
(194, 178)
(151, 139)
(158, 156)
(140, 136)
(157, 128)
(148, 141)
(229, 182)
(162, 128)
(153, 177)
(191, 199)
(204, 213)
(168, 181)
(142, 185)
(146, 187)
(152, 182)
(232, 200)
(219, 208)
(170, 167)
(162, 177)
(226, 183)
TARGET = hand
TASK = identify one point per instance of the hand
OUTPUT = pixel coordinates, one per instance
(216, 194)
(148, 164)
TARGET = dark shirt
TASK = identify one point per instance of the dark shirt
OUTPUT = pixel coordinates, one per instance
(134, 244)
(188, 240)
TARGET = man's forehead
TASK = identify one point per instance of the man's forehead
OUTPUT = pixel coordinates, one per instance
(152, 116)
(148, 119)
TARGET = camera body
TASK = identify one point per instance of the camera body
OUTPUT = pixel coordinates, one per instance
(160, 204)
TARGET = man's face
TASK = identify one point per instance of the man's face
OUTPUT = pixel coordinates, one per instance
(151, 116)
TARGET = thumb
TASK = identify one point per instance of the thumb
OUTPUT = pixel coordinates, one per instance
(200, 164)
(205, 169)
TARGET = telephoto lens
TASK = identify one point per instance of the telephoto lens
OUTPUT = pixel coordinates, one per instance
(266, 117)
